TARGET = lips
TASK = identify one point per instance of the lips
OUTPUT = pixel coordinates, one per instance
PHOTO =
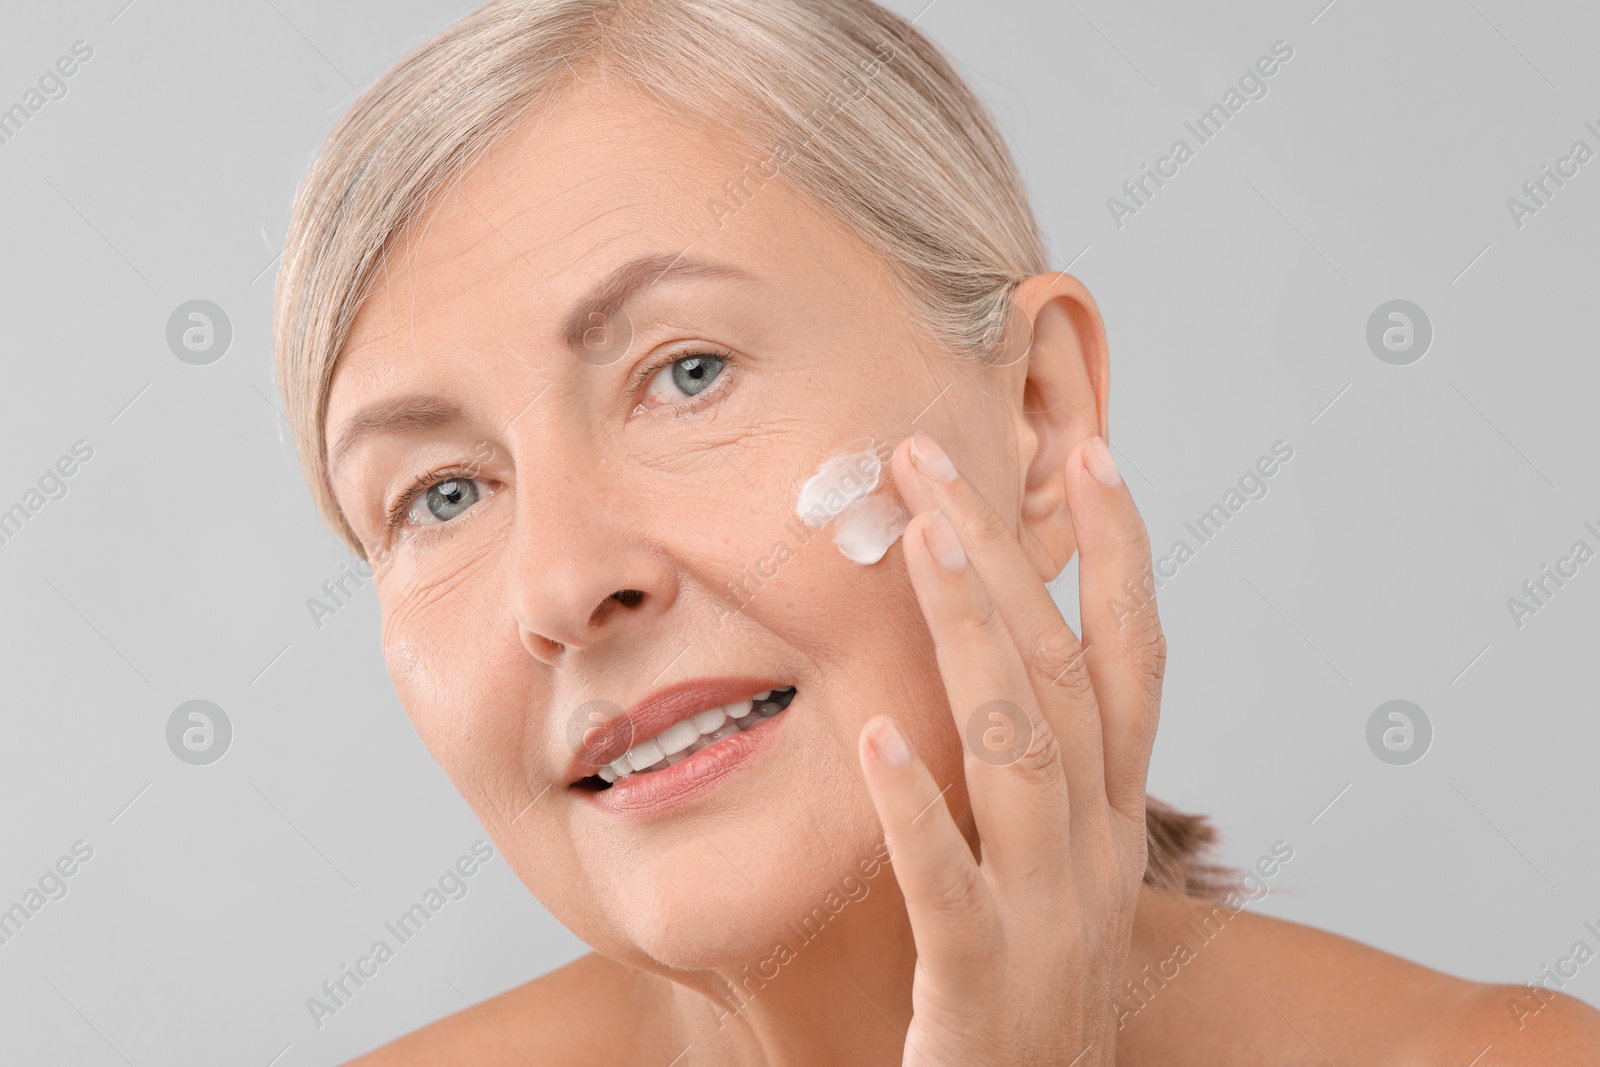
(655, 713)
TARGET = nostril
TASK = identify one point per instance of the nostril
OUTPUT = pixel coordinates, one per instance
(628, 598)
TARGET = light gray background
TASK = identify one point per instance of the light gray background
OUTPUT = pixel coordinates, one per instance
(1418, 500)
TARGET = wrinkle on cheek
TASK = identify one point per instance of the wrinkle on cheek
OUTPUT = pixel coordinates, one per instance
(693, 451)
(773, 429)
(428, 619)
(690, 453)
(706, 444)
(411, 648)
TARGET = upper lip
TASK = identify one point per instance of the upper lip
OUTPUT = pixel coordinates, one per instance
(657, 711)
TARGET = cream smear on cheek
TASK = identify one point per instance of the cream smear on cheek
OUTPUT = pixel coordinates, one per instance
(845, 491)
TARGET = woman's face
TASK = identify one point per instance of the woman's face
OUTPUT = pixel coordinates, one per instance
(588, 462)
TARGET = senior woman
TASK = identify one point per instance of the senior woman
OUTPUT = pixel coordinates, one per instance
(692, 376)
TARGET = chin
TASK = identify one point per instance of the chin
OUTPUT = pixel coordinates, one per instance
(770, 874)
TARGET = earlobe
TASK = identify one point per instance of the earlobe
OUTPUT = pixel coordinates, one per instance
(1063, 399)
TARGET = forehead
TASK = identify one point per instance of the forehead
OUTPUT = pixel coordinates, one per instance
(599, 177)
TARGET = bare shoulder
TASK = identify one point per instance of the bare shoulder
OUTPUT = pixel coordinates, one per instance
(566, 1016)
(1228, 986)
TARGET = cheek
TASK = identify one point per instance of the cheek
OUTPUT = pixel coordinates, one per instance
(859, 630)
(441, 654)
(858, 626)
(806, 520)
(853, 494)
(420, 636)
(405, 663)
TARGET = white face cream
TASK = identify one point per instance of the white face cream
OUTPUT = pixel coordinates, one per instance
(845, 491)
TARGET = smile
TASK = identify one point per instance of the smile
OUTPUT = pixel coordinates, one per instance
(699, 731)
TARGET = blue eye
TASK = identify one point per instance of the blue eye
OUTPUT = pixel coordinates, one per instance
(695, 373)
(436, 502)
(683, 379)
(450, 498)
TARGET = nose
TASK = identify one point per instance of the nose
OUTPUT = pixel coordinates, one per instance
(582, 574)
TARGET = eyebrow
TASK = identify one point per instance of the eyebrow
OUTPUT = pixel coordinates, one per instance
(618, 287)
(423, 411)
(400, 414)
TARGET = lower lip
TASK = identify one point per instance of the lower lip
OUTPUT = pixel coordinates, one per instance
(654, 791)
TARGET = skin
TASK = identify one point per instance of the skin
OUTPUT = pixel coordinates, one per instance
(499, 626)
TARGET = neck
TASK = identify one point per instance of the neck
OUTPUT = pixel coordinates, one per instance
(835, 992)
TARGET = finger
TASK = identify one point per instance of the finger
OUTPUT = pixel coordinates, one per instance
(952, 913)
(1117, 604)
(1051, 653)
(1015, 779)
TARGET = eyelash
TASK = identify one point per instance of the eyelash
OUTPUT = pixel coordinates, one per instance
(423, 482)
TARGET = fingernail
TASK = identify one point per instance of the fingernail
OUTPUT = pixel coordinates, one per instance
(890, 745)
(941, 539)
(929, 458)
(1097, 457)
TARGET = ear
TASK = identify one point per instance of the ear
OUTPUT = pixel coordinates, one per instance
(1061, 390)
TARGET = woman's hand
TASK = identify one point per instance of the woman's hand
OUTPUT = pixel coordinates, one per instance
(1018, 955)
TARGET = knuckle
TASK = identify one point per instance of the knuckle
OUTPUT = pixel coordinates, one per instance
(1139, 543)
(1150, 659)
(1042, 758)
(1157, 655)
(955, 897)
(983, 626)
(1056, 654)
(1076, 684)
(1142, 618)
(982, 523)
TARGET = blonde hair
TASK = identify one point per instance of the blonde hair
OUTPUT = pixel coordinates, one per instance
(853, 106)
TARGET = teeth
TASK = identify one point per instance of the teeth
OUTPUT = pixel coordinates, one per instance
(708, 720)
(776, 702)
(678, 736)
(688, 736)
(645, 755)
(727, 729)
